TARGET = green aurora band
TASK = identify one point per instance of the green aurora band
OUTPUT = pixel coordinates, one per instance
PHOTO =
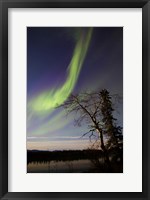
(50, 99)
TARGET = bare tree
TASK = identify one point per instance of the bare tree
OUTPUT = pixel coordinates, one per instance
(87, 107)
(96, 110)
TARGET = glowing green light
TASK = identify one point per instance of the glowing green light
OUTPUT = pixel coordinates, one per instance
(52, 98)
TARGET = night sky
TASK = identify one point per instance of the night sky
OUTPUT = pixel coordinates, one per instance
(54, 72)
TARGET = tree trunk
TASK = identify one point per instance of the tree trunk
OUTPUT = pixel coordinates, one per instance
(106, 156)
(101, 140)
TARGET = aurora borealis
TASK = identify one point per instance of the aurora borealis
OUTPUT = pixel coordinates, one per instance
(52, 98)
(66, 60)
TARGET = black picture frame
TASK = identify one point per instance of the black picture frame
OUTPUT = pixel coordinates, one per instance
(4, 6)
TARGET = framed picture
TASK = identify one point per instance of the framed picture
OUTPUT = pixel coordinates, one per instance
(74, 99)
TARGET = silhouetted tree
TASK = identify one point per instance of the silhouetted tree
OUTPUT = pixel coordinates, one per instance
(109, 126)
(96, 110)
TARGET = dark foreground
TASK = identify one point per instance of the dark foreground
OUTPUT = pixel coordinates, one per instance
(74, 161)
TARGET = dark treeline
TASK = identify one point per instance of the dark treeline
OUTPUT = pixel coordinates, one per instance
(70, 155)
(65, 155)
